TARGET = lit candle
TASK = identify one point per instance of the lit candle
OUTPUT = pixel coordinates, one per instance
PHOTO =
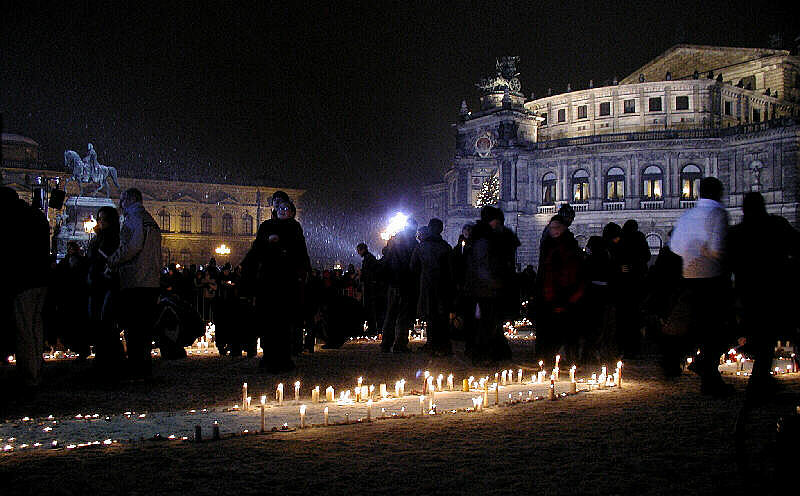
(247, 402)
(425, 382)
(215, 431)
(439, 380)
(315, 395)
(430, 386)
(555, 373)
(476, 403)
(329, 394)
(485, 393)
(504, 376)
(402, 411)
(558, 359)
(302, 416)
(619, 374)
(297, 391)
(593, 380)
(465, 385)
(572, 374)
(325, 413)
(552, 389)
(263, 399)
(496, 393)
(358, 389)
(602, 378)
(244, 393)
(541, 365)
(263, 417)
(450, 382)
(497, 378)
(369, 409)
(279, 394)
(519, 376)
(397, 389)
(384, 394)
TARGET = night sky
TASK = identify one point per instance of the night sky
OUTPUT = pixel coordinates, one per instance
(354, 104)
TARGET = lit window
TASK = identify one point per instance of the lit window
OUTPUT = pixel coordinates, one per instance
(629, 106)
(652, 181)
(615, 184)
(681, 103)
(654, 104)
(549, 189)
(580, 186)
(582, 112)
(690, 182)
(605, 108)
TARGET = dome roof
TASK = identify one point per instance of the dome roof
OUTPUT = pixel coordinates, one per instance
(9, 138)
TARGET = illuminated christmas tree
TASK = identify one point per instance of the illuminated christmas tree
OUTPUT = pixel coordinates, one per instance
(490, 192)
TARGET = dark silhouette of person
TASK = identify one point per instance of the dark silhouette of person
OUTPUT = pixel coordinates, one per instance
(401, 303)
(431, 261)
(634, 253)
(370, 285)
(760, 253)
(103, 292)
(490, 273)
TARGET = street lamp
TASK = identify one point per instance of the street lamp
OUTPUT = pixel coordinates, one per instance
(396, 224)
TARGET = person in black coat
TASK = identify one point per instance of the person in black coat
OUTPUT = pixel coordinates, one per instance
(762, 250)
(431, 261)
(370, 268)
(278, 263)
(103, 289)
(490, 263)
(634, 254)
(403, 289)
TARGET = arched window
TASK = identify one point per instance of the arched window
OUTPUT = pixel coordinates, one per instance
(163, 219)
(227, 224)
(580, 186)
(186, 222)
(615, 184)
(549, 189)
(247, 224)
(205, 223)
(690, 182)
(654, 242)
(652, 183)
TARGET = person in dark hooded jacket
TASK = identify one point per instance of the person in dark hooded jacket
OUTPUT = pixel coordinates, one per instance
(403, 289)
(431, 260)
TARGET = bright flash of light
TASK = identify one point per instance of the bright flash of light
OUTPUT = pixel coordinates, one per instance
(396, 224)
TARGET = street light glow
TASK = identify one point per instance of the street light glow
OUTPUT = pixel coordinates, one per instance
(396, 224)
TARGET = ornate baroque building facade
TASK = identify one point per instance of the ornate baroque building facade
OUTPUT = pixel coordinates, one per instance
(633, 150)
(195, 218)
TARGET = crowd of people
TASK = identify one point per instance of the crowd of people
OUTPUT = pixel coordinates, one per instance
(587, 304)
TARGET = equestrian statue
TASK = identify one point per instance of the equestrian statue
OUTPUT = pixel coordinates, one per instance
(89, 170)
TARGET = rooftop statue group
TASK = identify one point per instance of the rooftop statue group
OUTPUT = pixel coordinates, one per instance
(88, 170)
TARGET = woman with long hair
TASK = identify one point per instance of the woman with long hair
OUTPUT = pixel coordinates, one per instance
(103, 287)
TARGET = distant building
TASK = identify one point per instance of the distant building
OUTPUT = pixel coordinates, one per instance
(195, 218)
(633, 149)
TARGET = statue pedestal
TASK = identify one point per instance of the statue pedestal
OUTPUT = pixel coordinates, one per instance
(78, 210)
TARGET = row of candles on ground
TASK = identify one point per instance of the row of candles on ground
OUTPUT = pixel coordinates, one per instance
(430, 385)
